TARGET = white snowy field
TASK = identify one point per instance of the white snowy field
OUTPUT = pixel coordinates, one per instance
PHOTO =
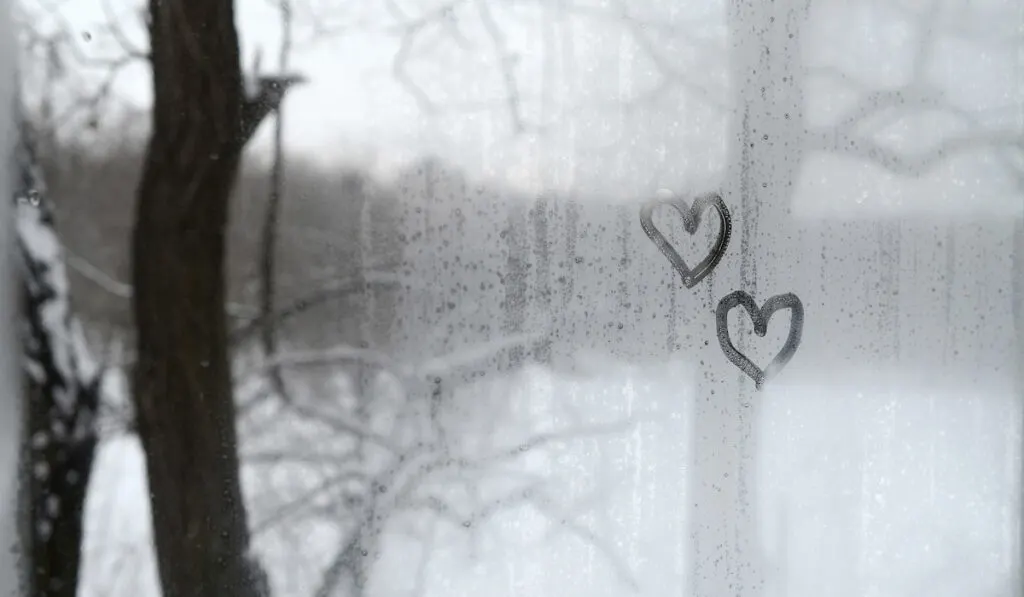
(873, 484)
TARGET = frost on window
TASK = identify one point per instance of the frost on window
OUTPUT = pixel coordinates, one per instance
(516, 345)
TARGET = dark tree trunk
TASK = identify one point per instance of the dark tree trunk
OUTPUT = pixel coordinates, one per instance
(182, 378)
(58, 478)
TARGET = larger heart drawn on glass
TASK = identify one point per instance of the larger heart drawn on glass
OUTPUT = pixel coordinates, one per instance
(760, 318)
(691, 220)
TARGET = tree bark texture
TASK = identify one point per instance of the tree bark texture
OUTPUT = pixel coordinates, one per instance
(182, 378)
(56, 501)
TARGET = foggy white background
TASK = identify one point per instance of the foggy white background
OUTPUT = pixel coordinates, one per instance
(879, 474)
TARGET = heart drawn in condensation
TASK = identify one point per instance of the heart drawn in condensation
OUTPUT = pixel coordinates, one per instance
(691, 220)
(760, 318)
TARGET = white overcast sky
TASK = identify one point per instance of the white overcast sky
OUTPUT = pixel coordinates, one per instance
(355, 110)
(350, 103)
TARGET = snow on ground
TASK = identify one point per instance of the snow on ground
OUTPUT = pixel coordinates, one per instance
(877, 483)
(874, 484)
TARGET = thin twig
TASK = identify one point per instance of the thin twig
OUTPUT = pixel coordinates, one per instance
(268, 243)
(337, 290)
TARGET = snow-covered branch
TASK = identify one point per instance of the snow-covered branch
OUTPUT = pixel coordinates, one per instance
(55, 343)
(64, 392)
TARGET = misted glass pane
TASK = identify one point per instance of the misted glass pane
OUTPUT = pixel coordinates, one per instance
(10, 434)
(542, 297)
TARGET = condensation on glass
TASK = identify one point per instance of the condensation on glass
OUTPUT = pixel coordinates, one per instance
(580, 429)
(10, 405)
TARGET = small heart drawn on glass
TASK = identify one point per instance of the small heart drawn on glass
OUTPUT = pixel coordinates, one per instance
(691, 220)
(760, 318)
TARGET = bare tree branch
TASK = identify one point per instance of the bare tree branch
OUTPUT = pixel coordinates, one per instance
(64, 40)
(116, 31)
(919, 94)
(549, 507)
(333, 291)
(399, 68)
(445, 17)
(268, 240)
(123, 290)
(507, 62)
(672, 76)
(295, 507)
(422, 469)
(911, 165)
